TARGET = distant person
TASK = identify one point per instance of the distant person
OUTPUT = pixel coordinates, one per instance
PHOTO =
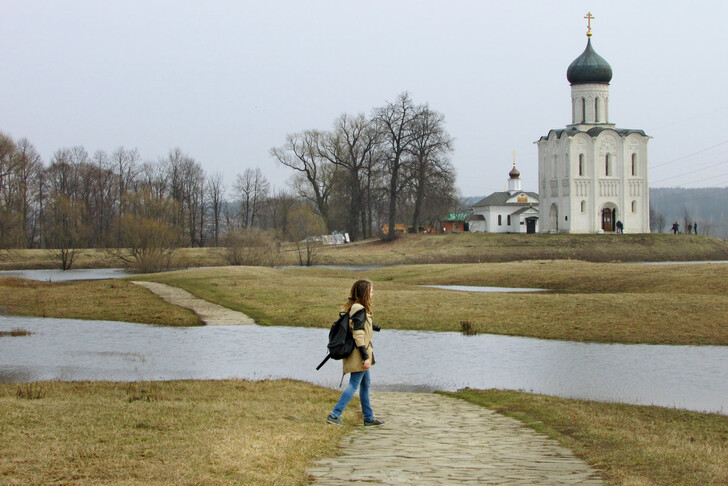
(362, 358)
(690, 229)
(695, 228)
(620, 227)
(675, 228)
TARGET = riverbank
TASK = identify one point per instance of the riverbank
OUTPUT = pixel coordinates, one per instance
(242, 432)
(629, 444)
(590, 302)
(418, 249)
(594, 302)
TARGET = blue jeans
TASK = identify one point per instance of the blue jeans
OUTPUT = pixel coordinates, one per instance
(355, 380)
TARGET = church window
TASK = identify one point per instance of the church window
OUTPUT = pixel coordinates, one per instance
(634, 206)
(583, 206)
(634, 164)
(606, 165)
(508, 220)
(583, 110)
(596, 110)
(581, 164)
(500, 221)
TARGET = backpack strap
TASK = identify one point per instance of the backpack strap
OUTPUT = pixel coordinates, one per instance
(323, 362)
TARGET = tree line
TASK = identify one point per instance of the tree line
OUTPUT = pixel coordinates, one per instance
(392, 166)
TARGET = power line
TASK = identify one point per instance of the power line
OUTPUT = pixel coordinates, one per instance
(691, 172)
(689, 155)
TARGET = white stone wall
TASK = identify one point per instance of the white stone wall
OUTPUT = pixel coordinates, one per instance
(580, 199)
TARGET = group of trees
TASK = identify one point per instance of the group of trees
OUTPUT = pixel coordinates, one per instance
(114, 200)
(390, 167)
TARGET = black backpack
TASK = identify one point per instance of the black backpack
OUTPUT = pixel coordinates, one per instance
(341, 342)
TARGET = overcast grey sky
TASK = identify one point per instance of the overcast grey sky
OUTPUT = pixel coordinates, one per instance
(227, 80)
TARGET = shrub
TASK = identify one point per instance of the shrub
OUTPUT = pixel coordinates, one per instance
(251, 246)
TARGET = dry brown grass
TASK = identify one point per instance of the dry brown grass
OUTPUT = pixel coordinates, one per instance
(630, 445)
(116, 300)
(598, 302)
(182, 432)
(449, 248)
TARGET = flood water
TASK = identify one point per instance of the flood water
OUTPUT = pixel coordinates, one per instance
(688, 377)
(67, 275)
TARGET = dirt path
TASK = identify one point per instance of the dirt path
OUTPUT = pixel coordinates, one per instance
(431, 439)
(211, 314)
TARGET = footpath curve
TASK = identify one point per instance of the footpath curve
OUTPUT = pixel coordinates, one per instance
(428, 439)
(211, 314)
(433, 439)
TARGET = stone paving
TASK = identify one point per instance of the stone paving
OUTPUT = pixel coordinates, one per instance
(211, 314)
(432, 439)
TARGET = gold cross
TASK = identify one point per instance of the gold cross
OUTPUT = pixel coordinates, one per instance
(514, 158)
(589, 17)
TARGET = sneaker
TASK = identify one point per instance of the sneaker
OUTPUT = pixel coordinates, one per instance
(334, 420)
(372, 422)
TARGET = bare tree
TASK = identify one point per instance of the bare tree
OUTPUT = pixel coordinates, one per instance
(305, 229)
(395, 122)
(216, 193)
(302, 152)
(430, 166)
(252, 189)
(350, 146)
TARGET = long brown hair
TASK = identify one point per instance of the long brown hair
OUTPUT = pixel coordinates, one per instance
(360, 294)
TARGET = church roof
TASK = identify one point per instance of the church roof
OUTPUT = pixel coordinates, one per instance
(501, 198)
(592, 132)
(589, 68)
(523, 210)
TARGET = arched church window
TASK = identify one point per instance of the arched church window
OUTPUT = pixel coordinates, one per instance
(634, 164)
(581, 164)
(500, 221)
(596, 110)
(606, 165)
(634, 206)
(583, 206)
(583, 110)
(508, 220)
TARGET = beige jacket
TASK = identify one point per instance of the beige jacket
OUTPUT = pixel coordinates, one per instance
(353, 362)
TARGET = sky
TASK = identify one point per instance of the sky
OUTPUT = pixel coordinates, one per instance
(226, 81)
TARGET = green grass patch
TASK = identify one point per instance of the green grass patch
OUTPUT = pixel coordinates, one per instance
(629, 444)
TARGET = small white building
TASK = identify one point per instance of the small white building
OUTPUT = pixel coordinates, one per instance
(592, 175)
(511, 211)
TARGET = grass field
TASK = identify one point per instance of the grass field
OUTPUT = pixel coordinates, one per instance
(181, 432)
(449, 248)
(630, 445)
(598, 302)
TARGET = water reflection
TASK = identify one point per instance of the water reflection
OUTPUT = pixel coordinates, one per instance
(674, 376)
(67, 275)
(470, 288)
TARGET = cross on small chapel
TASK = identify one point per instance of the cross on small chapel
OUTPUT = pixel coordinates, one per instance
(514, 158)
(589, 17)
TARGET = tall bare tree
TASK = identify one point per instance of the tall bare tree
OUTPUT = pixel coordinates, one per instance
(216, 193)
(396, 124)
(302, 152)
(351, 146)
(252, 188)
(430, 166)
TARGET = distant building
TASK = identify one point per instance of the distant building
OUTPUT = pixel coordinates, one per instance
(591, 174)
(454, 222)
(511, 211)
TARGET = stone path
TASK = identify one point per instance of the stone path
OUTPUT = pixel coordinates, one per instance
(432, 439)
(211, 314)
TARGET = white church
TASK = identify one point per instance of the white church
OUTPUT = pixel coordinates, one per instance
(592, 175)
(511, 211)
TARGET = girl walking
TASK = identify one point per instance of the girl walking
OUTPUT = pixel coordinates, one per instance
(362, 358)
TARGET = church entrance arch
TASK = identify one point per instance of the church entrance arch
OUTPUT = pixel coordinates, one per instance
(554, 218)
(609, 217)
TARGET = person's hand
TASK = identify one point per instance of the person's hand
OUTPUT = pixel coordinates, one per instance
(366, 364)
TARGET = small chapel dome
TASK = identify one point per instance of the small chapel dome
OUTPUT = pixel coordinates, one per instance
(589, 68)
(514, 174)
